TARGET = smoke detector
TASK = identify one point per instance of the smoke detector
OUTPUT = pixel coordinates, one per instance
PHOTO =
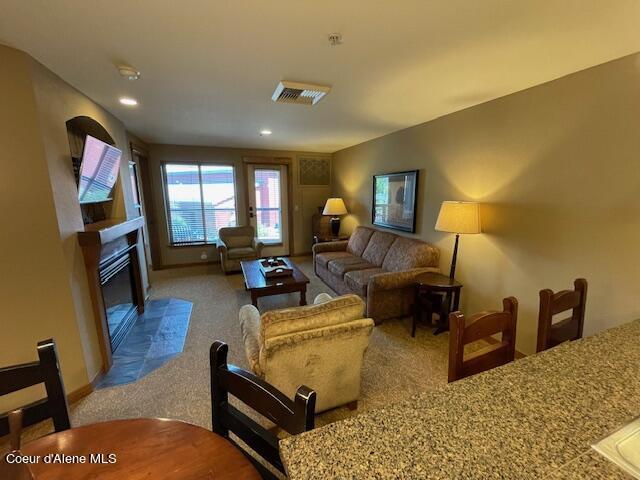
(335, 39)
(129, 73)
(301, 93)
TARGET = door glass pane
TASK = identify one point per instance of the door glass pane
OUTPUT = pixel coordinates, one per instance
(133, 176)
(185, 203)
(268, 205)
(219, 200)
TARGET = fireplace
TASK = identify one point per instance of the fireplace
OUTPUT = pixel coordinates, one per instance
(116, 281)
(110, 250)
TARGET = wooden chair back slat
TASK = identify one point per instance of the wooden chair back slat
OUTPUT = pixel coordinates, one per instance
(477, 362)
(268, 402)
(32, 413)
(253, 435)
(47, 371)
(551, 334)
(294, 416)
(565, 300)
(485, 324)
(481, 326)
(17, 377)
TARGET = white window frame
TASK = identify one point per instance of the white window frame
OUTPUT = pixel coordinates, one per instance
(167, 201)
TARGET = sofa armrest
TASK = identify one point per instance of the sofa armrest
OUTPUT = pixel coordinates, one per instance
(322, 298)
(339, 246)
(257, 245)
(250, 328)
(222, 247)
(395, 280)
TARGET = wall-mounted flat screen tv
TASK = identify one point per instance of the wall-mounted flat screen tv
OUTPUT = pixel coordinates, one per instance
(98, 171)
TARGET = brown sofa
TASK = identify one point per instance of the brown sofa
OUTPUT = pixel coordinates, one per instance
(378, 266)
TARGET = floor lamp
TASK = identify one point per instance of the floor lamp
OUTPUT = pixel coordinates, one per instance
(458, 217)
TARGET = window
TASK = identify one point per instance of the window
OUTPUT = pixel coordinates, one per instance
(200, 199)
(133, 177)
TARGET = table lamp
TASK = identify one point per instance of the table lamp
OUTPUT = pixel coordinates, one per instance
(335, 207)
(458, 217)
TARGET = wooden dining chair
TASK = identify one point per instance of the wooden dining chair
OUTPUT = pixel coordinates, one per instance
(47, 371)
(15, 471)
(294, 416)
(551, 334)
(477, 327)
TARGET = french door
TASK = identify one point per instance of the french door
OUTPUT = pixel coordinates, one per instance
(268, 206)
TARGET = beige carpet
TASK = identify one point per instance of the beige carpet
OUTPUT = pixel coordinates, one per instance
(396, 365)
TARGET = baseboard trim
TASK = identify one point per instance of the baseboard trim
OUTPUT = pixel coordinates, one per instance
(183, 265)
(195, 264)
(493, 341)
(79, 393)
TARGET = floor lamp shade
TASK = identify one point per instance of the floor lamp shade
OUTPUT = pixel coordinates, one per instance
(458, 217)
(335, 207)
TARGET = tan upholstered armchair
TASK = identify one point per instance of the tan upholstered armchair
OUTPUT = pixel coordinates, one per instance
(320, 345)
(236, 244)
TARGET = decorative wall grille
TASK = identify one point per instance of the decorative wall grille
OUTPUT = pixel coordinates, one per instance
(315, 171)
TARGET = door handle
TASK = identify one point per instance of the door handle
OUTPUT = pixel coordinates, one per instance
(250, 211)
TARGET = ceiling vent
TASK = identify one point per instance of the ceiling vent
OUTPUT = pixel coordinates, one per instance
(302, 93)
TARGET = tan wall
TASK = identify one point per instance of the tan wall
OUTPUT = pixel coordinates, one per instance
(57, 103)
(34, 281)
(305, 198)
(47, 280)
(557, 168)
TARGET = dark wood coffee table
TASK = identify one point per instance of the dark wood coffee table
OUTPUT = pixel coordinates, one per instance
(259, 286)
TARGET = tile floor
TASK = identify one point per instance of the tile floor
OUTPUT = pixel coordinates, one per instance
(157, 336)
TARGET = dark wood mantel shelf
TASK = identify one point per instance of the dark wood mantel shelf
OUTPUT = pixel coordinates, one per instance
(107, 231)
(101, 242)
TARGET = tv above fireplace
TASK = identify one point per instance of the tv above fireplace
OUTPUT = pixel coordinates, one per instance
(98, 171)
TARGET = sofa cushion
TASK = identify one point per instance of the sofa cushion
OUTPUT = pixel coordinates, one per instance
(298, 319)
(238, 241)
(237, 236)
(340, 266)
(357, 280)
(324, 258)
(359, 239)
(378, 247)
(406, 253)
(241, 252)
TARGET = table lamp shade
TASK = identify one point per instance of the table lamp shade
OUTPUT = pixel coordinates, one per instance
(335, 206)
(459, 217)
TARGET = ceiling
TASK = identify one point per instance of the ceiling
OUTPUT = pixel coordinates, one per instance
(209, 67)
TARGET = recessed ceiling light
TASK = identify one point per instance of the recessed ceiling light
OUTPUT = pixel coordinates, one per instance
(265, 132)
(131, 102)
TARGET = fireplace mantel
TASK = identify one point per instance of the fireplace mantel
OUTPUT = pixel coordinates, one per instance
(107, 231)
(101, 242)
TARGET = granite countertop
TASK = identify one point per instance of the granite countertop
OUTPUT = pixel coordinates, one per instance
(534, 418)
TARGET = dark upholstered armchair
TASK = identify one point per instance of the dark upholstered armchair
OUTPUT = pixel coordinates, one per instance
(236, 244)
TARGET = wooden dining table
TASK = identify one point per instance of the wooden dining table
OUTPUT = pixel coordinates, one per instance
(141, 448)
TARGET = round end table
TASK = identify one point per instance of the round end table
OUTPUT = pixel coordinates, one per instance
(434, 289)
